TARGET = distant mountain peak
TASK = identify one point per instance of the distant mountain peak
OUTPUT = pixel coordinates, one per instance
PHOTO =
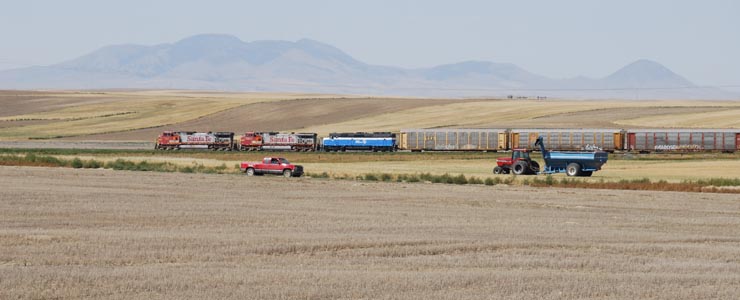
(210, 38)
(306, 41)
(646, 73)
(646, 65)
(483, 70)
(326, 51)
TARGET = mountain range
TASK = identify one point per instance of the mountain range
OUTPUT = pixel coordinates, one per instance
(224, 62)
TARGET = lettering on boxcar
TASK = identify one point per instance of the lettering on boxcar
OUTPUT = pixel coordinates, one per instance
(678, 147)
(590, 147)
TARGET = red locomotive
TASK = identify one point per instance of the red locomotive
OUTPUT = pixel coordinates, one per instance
(175, 140)
(252, 141)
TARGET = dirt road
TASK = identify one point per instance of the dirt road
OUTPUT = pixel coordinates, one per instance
(100, 234)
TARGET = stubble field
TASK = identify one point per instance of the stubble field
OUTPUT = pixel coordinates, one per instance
(104, 234)
(100, 234)
(141, 115)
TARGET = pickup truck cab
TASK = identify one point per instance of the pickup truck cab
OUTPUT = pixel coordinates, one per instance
(272, 165)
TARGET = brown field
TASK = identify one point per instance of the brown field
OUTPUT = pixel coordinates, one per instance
(72, 114)
(99, 234)
(141, 115)
(266, 116)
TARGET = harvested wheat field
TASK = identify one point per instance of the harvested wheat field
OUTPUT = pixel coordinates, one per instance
(141, 115)
(99, 234)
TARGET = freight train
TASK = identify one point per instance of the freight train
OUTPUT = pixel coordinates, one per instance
(454, 139)
(610, 140)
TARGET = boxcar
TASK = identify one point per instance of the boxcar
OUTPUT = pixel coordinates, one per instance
(453, 139)
(569, 139)
(683, 140)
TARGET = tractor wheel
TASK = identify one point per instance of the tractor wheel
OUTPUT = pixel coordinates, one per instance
(534, 167)
(573, 169)
(287, 173)
(498, 170)
(250, 172)
(520, 168)
(587, 173)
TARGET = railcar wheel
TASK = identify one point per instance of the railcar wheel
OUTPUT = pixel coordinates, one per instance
(520, 168)
(498, 170)
(250, 172)
(287, 173)
(573, 169)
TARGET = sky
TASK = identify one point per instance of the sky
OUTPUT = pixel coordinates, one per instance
(699, 40)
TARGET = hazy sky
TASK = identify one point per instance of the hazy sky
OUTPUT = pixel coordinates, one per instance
(697, 39)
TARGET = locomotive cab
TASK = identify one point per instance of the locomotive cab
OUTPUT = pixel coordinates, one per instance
(167, 140)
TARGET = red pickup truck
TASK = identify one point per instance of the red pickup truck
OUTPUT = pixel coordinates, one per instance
(272, 165)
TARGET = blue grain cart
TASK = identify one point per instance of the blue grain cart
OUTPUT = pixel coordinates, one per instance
(571, 163)
(364, 141)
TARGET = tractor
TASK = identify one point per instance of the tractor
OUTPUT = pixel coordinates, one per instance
(570, 163)
(519, 163)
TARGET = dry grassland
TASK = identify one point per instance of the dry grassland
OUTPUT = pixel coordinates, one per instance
(478, 165)
(27, 102)
(545, 114)
(109, 118)
(141, 115)
(106, 112)
(725, 118)
(613, 171)
(97, 234)
(280, 115)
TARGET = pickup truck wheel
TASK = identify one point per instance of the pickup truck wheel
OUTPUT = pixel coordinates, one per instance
(573, 169)
(498, 170)
(287, 173)
(250, 172)
(520, 168)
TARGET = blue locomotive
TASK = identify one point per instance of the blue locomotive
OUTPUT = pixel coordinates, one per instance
(365, 141)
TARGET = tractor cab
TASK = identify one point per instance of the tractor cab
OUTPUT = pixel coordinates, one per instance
(516, 155)
(520, 154)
